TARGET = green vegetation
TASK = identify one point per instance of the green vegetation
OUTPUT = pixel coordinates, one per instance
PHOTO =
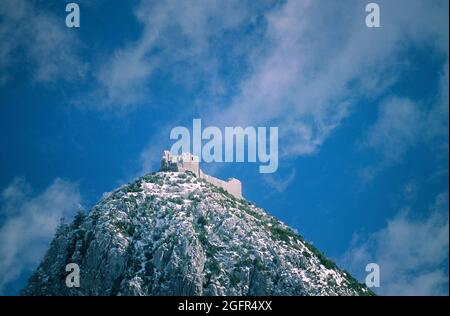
(281, 233)
(358, 287)
(234, 279)
(133, 187)
(125, 228)
(178, 200)
(86, 243)
(131, 199)
(214, 266)
(201, 220)
(306, 254)
(247, 262)
(259, 264)
(285, 234)
(327, 263)
(210, 250)
(194, 197)
(150, 198)
(221, 191)
(78, 220)
(245, 207)
(153, 178)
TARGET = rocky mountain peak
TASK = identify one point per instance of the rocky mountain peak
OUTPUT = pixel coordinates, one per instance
(173, 233)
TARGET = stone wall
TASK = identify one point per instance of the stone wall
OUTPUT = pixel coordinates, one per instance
(232, 186)
(191, 166)
(189, 162)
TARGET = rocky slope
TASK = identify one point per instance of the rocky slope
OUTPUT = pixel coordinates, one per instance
(170, 233)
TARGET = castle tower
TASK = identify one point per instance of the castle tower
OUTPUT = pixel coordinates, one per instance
(189, 162)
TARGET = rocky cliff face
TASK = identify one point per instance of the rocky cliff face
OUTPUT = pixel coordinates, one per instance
(170, 233)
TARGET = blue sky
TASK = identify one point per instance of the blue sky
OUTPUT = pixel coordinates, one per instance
(362, 116)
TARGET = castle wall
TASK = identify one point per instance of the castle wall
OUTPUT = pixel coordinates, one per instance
(191, 166)
(232, 186)
(188, 162)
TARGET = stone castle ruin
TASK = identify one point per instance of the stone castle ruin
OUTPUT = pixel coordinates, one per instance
(189, 162)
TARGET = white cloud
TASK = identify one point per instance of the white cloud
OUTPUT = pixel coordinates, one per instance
(311, 63)
(412, 252)
(437, 117)
(177, 37)
(279, 183)
(28, 224)
(319, 59)
(38, 39)
(150, 157)
(401, 125)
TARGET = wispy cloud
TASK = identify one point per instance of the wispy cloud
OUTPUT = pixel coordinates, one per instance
(437, 117)
(412, 252)
(150, 157)
(178, 37)
(318, 60)
(29, 222)
(402, 124)
(39, 40)
(307, 67)
(399, 126)
(280, 183)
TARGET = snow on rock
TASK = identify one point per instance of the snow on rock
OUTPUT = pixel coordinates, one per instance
(171, 233)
